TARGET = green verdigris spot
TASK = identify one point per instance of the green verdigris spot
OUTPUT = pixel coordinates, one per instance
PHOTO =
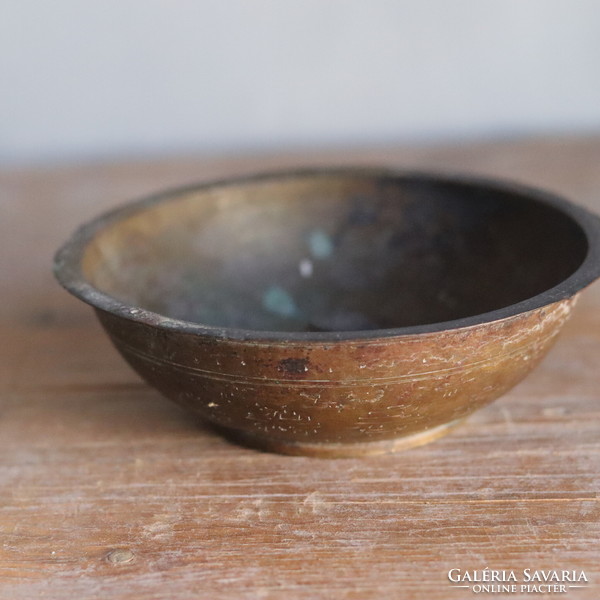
(320, 244)
(278, 301)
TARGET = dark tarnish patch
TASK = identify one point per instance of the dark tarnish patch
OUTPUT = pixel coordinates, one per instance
(363, 214)
(293, 366)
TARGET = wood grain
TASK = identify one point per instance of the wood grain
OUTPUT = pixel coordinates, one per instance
(107, 490)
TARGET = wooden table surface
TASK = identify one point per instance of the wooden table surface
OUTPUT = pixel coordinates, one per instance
(109, 491)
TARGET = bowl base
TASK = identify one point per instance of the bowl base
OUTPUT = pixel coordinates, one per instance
(341, 450)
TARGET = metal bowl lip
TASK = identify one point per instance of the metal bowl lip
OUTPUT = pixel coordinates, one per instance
(67, 261)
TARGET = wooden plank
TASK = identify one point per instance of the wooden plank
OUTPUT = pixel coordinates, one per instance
(107, 490)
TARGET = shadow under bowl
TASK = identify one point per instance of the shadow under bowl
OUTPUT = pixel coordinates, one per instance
(335, 312)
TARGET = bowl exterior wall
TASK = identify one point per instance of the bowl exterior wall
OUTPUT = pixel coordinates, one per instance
(335, 396)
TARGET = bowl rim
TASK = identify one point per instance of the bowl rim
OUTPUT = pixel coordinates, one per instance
(67, 260)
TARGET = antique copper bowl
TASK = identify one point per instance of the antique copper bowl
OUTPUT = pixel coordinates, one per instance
(335, 312)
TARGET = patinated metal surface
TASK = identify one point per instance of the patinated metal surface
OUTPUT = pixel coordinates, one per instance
(335, 313)
(343, 397)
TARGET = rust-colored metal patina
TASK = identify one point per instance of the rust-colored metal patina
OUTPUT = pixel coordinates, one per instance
(336, 312)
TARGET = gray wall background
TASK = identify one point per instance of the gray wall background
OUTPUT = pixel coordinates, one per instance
(82, 80)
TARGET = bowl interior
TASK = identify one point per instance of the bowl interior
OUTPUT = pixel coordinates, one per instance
(335, 252)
